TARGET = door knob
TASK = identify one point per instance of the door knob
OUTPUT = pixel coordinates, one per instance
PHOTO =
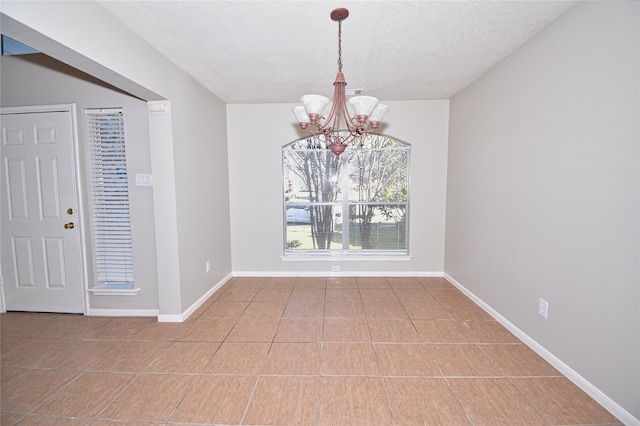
(69, 225)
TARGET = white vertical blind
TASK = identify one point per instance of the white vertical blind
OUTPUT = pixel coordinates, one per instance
(108, 185)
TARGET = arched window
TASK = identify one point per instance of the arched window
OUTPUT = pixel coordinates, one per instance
(355, 203)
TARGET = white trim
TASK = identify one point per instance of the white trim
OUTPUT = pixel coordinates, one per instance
(341, 257)
(182, 317)
(614, 408)
(98, 291)
(101, 312)
(428, 274)
(3, 308)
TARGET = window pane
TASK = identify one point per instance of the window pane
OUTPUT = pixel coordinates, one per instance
(377, 227)
(355, 202)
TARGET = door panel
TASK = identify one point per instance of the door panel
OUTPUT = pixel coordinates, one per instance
(41, 253)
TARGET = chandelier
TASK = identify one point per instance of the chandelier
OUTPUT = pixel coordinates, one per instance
(340, 126)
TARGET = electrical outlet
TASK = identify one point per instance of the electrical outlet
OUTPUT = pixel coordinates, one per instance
(335, 268)
(543, 308)
(207, 266)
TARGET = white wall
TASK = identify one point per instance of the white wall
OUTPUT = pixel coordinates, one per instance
(191, 208)
(256, 134)
(543, 193)
(39, 80)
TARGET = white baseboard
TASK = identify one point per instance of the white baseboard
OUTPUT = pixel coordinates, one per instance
(99, 312)
(614, 408)
(429, 274)
(186, 314)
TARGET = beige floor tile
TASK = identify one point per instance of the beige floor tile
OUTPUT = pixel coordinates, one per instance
(406, 359)
(86, 396)
(162, 331)
(353, 310)
(238, 358)
(216, 400)
(245, 282)
(284, 401)
(393, 330)
(27, 391)
(372, 282)
(118, 329)
(117, 423)
(299, 330)
(562, 402)
(412, 295)
(34, 420)
(304, 310)
(8, 419)
(518, 360)
(10, 343)
(349, 359)
(300, 293)
(238, 294)
(463, 361)
(442, 331)
(434, 282)
(341, 282)
(208, 330)
(293, 359)
(424, 401)
(37, 351)
(466, 311)
(378, 295)
(272, 295)
(494, 402)
(353, 401)
(346, 330)
(151, 397)
(253, 330)
(425, 311)
(310, 282)
(448, 295)
(384, 310)
(272, 310)
(490, 332)
(404, 282)
(9, 373)
(342, 295)
(130, 357)
(278, 282)
(220, 309)
(183, 358)
(82, 356)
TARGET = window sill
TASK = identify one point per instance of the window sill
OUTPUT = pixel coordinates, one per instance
(345, 258)
(108, 290)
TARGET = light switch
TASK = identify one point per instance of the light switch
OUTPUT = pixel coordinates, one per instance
(144, 179)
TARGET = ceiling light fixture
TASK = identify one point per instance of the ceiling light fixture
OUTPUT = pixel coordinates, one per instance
(340, 127)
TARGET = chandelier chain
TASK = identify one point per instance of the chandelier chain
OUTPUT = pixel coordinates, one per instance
(340, 46)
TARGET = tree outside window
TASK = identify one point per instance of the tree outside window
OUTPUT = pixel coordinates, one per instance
(355, 203)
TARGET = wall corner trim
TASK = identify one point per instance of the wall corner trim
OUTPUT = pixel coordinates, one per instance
(614, 408)
(186, 314)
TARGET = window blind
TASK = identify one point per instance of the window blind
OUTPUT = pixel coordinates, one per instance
(108, 185)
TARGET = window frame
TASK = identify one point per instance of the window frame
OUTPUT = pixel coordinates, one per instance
(367, 142)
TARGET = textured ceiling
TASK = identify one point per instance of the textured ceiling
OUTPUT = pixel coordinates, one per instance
(276, 51)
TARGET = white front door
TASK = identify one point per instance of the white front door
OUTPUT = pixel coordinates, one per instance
(41, 252)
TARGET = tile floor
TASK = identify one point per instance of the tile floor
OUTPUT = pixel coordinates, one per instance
(288, 351)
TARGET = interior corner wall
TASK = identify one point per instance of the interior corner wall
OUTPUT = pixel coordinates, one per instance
(543, 193)
(256, 189)
(83, 35)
